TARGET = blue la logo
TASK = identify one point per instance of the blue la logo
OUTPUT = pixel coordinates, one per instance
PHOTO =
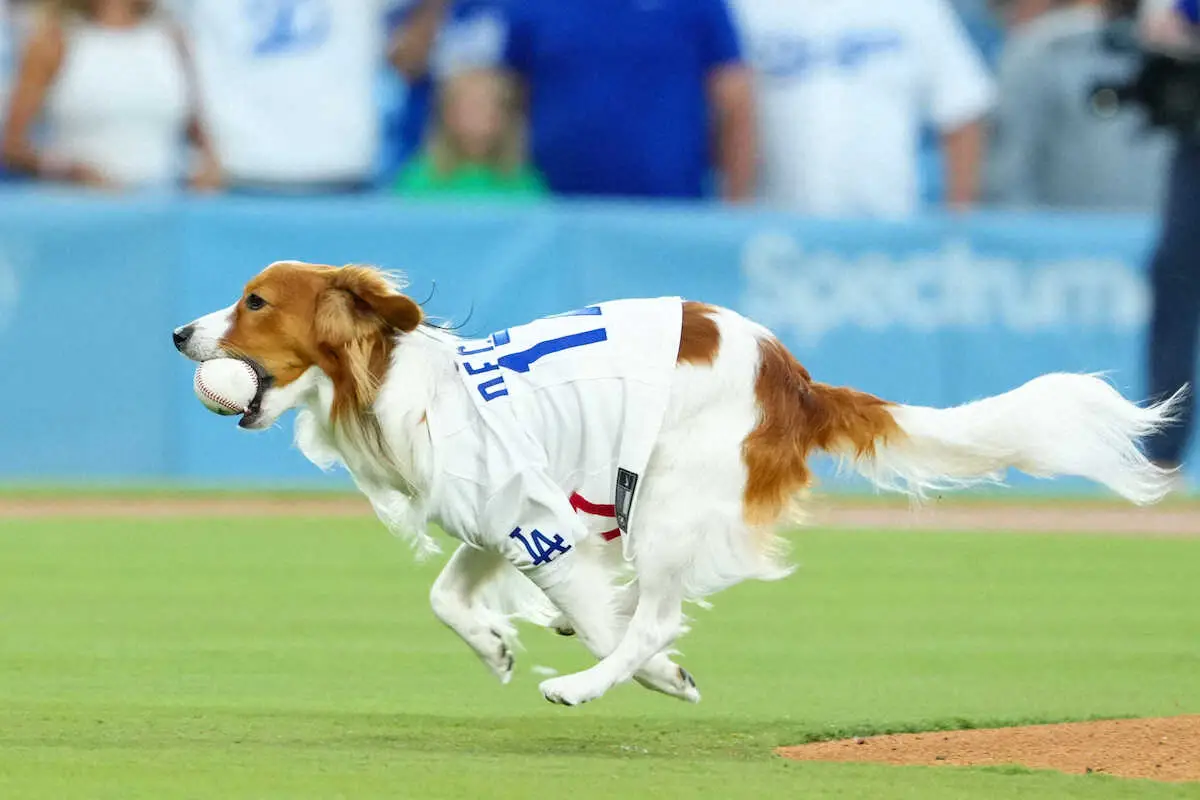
(540, 548)
(288, 26)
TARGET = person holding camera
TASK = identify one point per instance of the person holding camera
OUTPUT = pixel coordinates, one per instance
(1049, 147)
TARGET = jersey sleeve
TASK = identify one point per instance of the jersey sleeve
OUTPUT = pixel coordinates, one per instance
(493, 488)
(958, 87)
(531, 521)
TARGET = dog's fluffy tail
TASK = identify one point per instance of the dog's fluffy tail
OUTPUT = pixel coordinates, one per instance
(1057, 424)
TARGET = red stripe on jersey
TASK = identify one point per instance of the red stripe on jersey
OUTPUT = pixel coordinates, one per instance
(580, 504)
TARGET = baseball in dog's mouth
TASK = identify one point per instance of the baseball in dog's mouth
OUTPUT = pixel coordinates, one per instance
(253, 412)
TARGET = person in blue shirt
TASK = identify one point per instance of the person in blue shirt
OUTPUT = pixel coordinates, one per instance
(635, 98)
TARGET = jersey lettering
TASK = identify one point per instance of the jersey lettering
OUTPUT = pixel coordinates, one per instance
(521, 361)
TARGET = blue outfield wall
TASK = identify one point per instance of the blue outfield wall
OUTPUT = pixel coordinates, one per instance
(936, 311)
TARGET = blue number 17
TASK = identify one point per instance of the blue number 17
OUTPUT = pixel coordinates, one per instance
(521, 361)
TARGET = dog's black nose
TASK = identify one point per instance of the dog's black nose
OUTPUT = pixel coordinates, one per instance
(181, 335)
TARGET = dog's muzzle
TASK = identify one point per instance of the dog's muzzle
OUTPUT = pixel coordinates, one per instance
(252, 416)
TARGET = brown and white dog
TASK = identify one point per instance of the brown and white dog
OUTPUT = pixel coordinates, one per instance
(699, 413)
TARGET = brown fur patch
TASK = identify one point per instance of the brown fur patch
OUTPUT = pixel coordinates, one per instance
(699, 337)
(340, 319)
(796, 417)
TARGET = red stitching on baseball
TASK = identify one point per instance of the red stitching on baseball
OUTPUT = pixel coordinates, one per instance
(224, 402)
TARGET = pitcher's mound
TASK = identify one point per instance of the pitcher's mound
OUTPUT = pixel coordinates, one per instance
(1162, 749)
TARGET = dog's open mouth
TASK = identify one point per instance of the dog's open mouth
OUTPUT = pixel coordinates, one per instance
(253, 413)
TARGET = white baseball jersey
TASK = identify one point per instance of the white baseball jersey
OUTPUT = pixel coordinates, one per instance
(556, 415)
(844, 87)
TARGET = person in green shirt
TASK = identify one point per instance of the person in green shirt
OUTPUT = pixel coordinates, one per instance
(477, 145)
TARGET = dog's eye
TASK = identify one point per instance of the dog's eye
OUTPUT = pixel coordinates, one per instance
(254, 302)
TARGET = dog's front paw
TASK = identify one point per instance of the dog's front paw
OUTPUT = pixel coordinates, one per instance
(497, 655)
(571, 690)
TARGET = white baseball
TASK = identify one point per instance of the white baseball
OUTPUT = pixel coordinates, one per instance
(225, 385)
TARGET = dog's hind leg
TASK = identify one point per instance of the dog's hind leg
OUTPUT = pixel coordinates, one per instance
(479, 592)
(655, 624)
(580, 576)
(589, 600)
(598, 610)
(477, 595)
(660, 673)
(637, 646)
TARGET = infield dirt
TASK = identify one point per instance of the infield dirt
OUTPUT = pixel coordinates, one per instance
(1165, 749)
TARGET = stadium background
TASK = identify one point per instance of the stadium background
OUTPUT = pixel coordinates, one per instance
(938, 309)
(186, 610)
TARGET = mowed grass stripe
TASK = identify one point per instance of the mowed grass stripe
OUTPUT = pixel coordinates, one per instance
(298, 658)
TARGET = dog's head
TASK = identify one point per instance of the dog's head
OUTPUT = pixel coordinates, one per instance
(295, 319)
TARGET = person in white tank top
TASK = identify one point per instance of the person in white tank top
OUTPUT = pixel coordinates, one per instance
(111, 82)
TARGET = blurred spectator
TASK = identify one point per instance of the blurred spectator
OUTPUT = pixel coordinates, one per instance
(1015, 14)
(984, 30)
(7, 49)
(634, 98)
(15, 24)
(436, 37)
(844, 89)
(8, 41)
(1049, 147)
(478, 145)
(1174, 273)
(1168, 24)
(290, 89)
(112, 82)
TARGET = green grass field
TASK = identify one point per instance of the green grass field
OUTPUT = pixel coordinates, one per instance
(298, 658)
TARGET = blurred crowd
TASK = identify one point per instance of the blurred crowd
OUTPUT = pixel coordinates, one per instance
(867, 108)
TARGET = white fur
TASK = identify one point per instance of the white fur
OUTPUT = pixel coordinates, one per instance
(690, 538)
(1057, 424)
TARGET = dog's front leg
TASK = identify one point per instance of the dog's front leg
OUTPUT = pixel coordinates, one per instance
(454, 598)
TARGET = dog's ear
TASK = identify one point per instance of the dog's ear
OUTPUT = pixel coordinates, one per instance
(358, 301)
(357, 312)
